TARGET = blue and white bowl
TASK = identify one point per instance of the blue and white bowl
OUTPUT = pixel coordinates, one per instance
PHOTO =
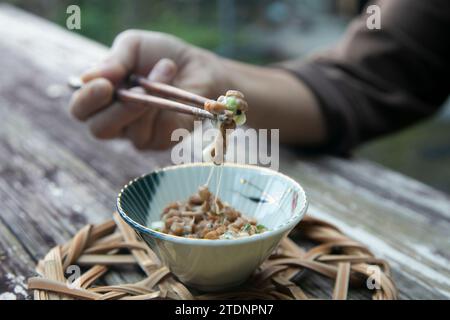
(275, 200)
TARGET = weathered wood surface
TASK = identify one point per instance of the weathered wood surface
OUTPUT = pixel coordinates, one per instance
(54, 177)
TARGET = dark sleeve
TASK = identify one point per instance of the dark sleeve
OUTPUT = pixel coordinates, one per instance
(378, 81)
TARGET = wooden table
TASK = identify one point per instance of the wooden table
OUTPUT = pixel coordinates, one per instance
(54, 177)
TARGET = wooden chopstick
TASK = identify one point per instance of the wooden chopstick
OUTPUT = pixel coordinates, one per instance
(165, 90)
(158, 102)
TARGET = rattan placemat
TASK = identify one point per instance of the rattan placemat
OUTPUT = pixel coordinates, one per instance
(110, 245)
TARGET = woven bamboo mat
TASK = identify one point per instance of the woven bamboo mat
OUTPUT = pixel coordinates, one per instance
(99, 248)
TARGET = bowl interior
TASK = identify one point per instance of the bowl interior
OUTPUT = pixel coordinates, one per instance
(272, 198)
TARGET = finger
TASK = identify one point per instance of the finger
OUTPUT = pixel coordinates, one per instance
(135, 52)
(121, 60)
(163, 71)
(92, 97)
(110, 122)
(168, 121)
(140, 131)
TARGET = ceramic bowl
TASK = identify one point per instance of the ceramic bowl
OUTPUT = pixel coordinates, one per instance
(275, 200)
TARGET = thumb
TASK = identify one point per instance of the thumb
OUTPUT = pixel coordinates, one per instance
(163, 71)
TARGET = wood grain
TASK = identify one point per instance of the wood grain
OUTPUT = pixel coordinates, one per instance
(54, 177)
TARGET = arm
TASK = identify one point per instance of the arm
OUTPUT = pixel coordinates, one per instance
(378, 81)
(372, 83)
(278, 100)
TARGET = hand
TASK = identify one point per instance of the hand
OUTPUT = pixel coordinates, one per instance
(160, 57)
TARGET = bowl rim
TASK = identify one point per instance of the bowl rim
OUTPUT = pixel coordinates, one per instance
(210, 242)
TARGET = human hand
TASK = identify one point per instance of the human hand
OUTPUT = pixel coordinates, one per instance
(160, 57)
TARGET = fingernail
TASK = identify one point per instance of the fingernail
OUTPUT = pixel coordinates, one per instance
(95, 71)
(90, 74)
(162, 71)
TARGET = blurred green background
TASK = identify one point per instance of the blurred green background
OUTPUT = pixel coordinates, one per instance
(263, 31)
